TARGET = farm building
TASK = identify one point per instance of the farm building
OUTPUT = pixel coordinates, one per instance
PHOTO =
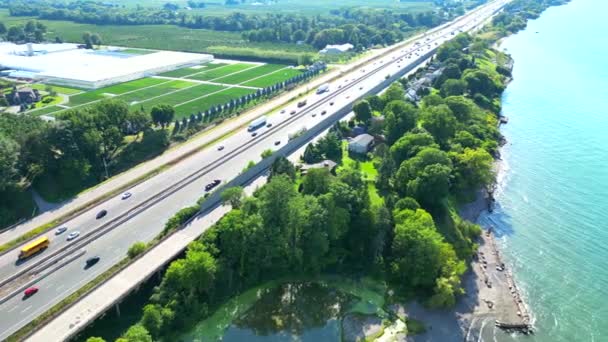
(69, 65)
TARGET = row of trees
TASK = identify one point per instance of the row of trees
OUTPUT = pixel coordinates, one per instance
(31, 32)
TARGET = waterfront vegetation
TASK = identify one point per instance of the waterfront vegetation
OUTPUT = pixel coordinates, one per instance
(388, 215)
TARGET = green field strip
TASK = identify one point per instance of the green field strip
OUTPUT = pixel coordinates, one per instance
(181, 96)
(191, 71)
(207, 102)
(117, 89)
(58, 89)
(159, 90)
(274, 78)
(249, 74)
(45, 111)
(221, 72)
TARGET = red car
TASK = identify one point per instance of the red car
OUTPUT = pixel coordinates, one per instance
(30, 292)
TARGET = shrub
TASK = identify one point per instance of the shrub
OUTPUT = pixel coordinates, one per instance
(136, 249)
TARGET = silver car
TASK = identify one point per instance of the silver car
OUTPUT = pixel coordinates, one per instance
(73, 235)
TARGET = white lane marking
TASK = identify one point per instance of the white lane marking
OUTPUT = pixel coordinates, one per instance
(59, 288)
(24, 310)
(12, 309)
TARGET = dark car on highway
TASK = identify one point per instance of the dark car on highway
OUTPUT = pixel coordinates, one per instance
(91, 261)
(101, 214)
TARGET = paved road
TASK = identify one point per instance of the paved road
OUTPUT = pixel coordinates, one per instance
(112, 246)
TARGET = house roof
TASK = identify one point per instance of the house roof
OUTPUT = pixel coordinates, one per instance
(363, 139)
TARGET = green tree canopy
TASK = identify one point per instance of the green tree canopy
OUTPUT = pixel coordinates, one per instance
(162, 114)
(363, 111)
(440, 122)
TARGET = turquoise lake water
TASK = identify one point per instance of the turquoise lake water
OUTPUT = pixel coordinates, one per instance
(553, 197)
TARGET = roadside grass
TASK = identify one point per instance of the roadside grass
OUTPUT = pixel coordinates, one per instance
(117, 89)
(204, 103)
(190, 70)
(45, 110)
(249, 74)
(181, 96)
(220, 72)
(273, 78)
(58, 89)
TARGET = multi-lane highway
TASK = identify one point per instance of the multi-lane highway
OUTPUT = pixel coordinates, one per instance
(142, 216)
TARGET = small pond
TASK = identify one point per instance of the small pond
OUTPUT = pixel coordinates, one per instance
(306, 312)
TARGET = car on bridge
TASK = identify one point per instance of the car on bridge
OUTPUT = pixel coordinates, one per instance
(60, 230)
(212, 185)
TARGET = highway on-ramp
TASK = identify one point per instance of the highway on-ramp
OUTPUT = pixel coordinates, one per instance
(142, 216)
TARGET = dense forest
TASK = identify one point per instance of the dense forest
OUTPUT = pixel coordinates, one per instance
(437, 152)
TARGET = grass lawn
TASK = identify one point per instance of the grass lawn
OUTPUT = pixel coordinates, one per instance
(220, 72)
(55, 100)
(45, 110)
(58, 89)
(190, 71)
(249, 74)
(274, 78)
(367, 168)
(182, 96)
(205, 103)
(116, 89)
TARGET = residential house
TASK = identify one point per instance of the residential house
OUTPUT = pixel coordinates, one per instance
(361, 144)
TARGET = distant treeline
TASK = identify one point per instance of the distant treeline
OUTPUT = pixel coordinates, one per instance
(360, 27)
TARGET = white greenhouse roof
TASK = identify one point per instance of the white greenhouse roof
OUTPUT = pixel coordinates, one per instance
(66, 61)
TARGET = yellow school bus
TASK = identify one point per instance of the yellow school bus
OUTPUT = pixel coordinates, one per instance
(34, 247)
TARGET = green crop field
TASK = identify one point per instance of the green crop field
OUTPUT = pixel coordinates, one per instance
(181, 96)
(206, 102)
(250, 74)
(221, 72)
(191, 71)
(117, 89)
(273, 78)
(158, 90)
